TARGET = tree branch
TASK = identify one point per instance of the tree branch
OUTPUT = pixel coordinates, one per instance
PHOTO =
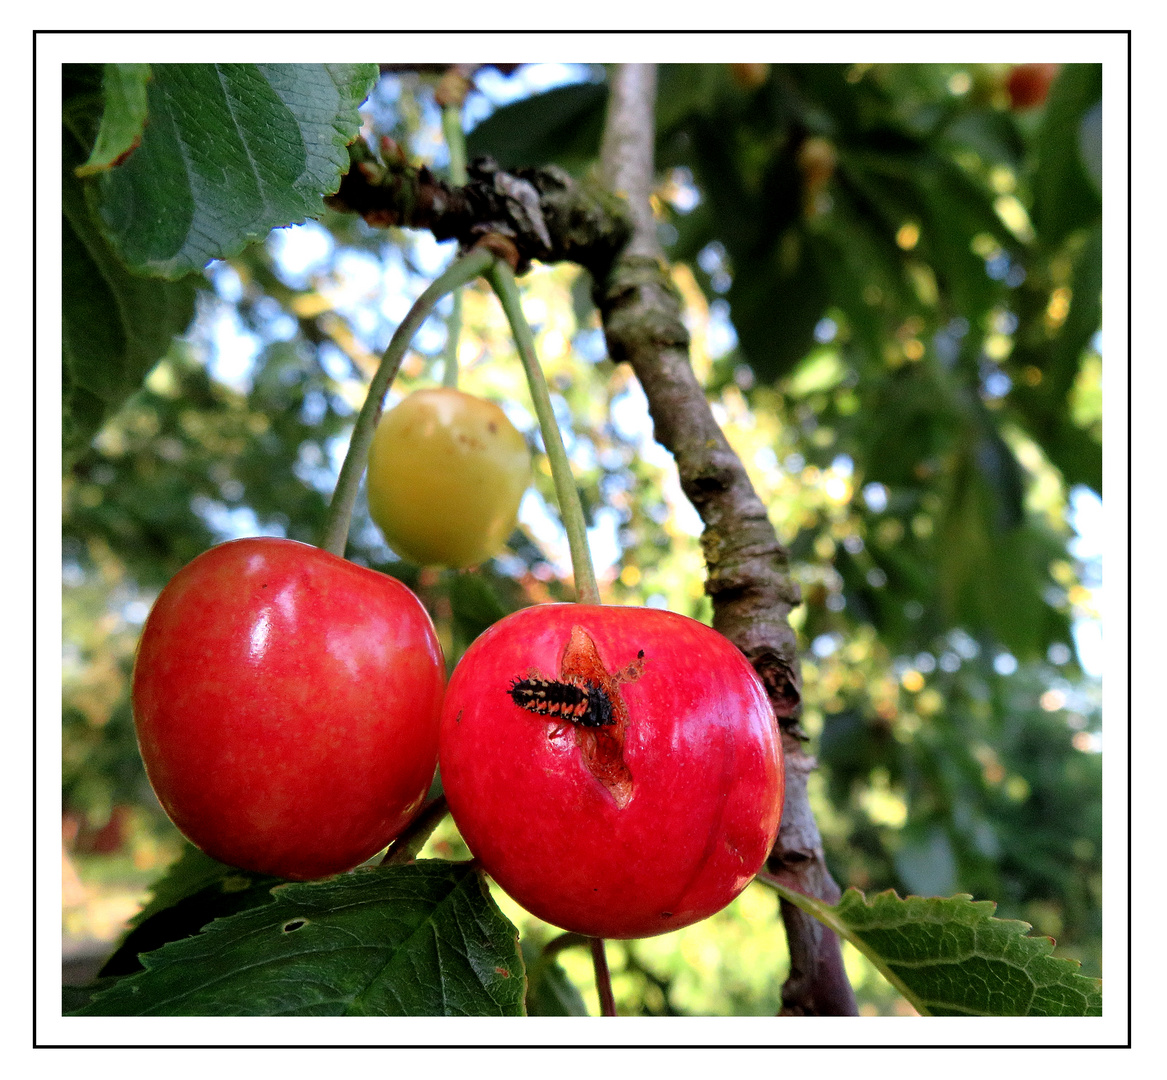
(543, 212)
(748, 575)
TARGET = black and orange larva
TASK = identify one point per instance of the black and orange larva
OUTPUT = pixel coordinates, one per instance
(580, 702)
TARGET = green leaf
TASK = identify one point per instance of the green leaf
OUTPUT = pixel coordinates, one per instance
(685, 89)
(563, 126)
(956, 209)
(992, 133)
(475, 606)
(925, 860)
(230, 152)
(775, 311)
(419, 940)
(77, 997)
(550, 992)
(951, 957)
(190, 873)
(1065, 198)
(115, 324)
(991, 571)
(194, 891)
(1045, 409)
(1090, 144)
(123, 118)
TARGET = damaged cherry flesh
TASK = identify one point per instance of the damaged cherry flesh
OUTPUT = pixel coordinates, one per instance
(623, 824)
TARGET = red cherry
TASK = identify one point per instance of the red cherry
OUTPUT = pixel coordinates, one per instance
(630, 828)
(287, 706)
(1028, 84)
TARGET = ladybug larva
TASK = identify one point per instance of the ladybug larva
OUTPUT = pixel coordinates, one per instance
(580, 702)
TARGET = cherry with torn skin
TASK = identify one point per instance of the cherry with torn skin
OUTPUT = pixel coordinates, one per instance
(616, 770)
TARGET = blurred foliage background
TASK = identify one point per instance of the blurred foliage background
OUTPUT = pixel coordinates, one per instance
(892, 278)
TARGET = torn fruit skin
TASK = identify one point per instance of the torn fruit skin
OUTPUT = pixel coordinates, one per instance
(601, 744)
(622, 829)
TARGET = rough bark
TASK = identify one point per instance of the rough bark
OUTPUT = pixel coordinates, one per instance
(543, 212)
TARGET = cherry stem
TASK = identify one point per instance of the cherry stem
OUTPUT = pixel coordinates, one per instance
(603, 978)
(566, 940)
(502, 279)
(340, 511)
(412, 839)
(453, 334)
(456, 142)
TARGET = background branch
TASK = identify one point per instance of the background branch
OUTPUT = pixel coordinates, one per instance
(748, 575)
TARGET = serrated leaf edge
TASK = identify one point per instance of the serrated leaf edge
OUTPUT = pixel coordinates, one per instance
(827, 914)
(176, 267)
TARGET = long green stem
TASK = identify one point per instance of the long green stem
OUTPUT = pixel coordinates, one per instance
(456, 142)
(453, 335)
(502, 280)
(348, 483)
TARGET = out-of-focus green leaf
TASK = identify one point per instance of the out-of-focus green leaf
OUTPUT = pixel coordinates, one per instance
(851, 748)
(1057, 355)
(985, 564)
(562, 125)
(475, 605)
(1082, 321)
(1090, 144)
(925, 861)
(956, 210)
(1064, 196)
(124, 92)
(685, 89)
(74, 998)
(419, 940)
(992, 133)
(230, 152)
(1000, 471)
(549, 990)
(478, 599)
(777, 306)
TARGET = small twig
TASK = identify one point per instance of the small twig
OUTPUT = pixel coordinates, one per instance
(405, 848)
(566, 940)
(583, 223)
(603, 978)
